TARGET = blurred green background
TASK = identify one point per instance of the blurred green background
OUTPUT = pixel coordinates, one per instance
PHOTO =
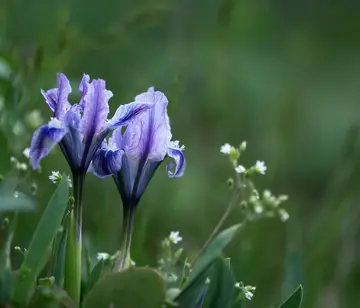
(282, 75)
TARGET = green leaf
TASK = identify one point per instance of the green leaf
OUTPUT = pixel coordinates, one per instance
(51, 297)
(101, 268)
(9, 183)
(40, 245)
(18, 202)
(6, 276)
(58, 255)
(222, 286)
(133, 287)
(202, 267)
(294, 300)
(11, 202)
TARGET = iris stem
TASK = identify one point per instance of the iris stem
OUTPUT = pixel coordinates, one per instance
(72, 281)
(128, 227)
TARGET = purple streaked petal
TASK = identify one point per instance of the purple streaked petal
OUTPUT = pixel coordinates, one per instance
(44, 140)
(179, 163)
(96, 109)
(84, 84)
(126, 113)
(57, 98)
(106, 162)
(62, 93)
(149, 134)
(50, 97)
(73, 116)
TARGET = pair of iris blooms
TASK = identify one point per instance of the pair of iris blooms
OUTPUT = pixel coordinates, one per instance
(140, 140)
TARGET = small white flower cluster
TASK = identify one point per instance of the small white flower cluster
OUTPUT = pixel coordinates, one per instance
(104, 256)
(235, 154)
(247, 291)
(268, 205)
(18, 165)
(169, 257)
(174, 237)
(56, 177)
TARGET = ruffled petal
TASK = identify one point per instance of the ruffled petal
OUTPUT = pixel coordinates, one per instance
(84, 84)
(57, 98)
(44, 139)
(149, 134)
(96, 109)
(126, 113)
(179, 163)
(106, 162)
(50, 98)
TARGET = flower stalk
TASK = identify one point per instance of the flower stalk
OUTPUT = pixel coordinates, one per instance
(72, 282)
(128, 227)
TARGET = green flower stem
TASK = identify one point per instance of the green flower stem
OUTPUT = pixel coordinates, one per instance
(72, 281)
(128, 227)
(234, 200)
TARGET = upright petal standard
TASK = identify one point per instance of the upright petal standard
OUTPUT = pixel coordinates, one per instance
(132, 156)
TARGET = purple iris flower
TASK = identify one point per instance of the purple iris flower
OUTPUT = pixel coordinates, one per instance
(132, 156)
(80, 128)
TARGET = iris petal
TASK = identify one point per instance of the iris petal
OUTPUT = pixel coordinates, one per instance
(106, 162)
(96, 109)
(125, 113)
(149, 134)
(44, 140)
(179, 163)
(84, 84)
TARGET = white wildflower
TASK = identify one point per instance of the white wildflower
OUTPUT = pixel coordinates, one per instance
(22, 166)
(226, 148)
(13, 160)
(56, 177)
(102, 256)
(174, 237)
(248, 291)
(240, 169)
(172, 277)
(260, 167)
(258, 209)
(249, 295)
(284, 216)
(26, 152)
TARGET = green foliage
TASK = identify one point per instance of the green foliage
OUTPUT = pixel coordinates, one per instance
(50, 297)
(294, 300)
(6, 275)
(220, 293)
(10, 199)
(208, 265)
(101, 268)
(133, 287)
(40, 244)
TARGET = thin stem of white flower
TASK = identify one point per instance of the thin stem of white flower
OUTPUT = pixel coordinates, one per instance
(231, 205)
(234, 200)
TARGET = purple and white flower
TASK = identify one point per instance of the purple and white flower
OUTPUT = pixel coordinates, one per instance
(133, 156)
(80, 128)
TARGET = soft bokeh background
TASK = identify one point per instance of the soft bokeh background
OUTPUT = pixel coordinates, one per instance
(283, 75)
